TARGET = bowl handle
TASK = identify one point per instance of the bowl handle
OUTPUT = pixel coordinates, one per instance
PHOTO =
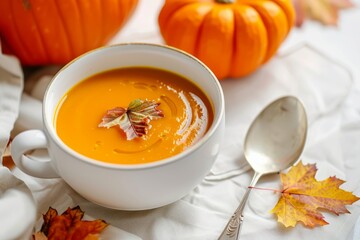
(26, 142)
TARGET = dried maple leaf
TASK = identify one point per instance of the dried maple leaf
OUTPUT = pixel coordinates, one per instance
(69, 226)
(134, 120)
(303, 195)
(324, 11)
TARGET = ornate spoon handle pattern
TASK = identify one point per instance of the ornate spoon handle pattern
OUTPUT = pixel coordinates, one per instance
(232, 228)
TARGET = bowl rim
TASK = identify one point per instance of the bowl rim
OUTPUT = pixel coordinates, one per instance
(218, 115)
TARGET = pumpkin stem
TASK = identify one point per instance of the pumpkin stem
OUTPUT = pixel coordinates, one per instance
(225, 1)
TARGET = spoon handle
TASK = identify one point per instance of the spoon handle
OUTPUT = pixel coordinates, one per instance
(232, 228)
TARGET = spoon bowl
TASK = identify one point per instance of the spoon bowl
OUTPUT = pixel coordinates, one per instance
(276, 138)
(274, 141)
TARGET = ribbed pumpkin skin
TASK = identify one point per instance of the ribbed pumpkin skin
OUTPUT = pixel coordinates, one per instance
(232, 39)
(41, 32)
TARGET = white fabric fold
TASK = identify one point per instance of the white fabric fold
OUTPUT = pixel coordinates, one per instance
(17, 205)
(11, 85)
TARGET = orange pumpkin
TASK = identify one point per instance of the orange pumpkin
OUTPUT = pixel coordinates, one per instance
(43, 32)
(232, 37)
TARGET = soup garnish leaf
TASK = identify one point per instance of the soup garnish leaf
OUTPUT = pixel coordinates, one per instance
(133, 120)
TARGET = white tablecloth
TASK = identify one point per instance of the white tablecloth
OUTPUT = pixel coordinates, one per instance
(319, 65)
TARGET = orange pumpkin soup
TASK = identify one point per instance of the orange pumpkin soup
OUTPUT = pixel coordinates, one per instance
(187, 115)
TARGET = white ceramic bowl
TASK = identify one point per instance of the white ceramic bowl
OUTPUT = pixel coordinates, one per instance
(126, 187)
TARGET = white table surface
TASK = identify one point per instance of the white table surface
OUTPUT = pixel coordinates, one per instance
(333, 143)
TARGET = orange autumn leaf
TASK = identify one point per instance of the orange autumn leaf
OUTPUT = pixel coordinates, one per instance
(324, 11)
(303, 196)
(69, 226)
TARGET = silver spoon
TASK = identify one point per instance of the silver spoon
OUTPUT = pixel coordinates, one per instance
(274, 141)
